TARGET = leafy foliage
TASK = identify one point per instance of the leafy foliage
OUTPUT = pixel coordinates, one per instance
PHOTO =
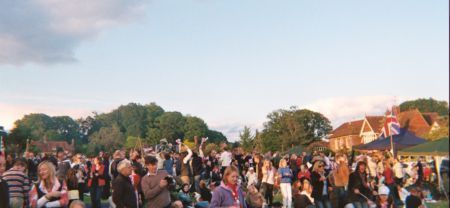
(293, 127)
(246, 139)
(426, 105)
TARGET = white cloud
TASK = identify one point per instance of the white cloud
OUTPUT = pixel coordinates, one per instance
(342, 109)
(48, 31)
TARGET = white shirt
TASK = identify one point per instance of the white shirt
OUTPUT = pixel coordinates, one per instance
(269, 176)
(225, 157)
(398, 170)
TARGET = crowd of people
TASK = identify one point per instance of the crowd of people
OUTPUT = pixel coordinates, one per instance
(176, 176)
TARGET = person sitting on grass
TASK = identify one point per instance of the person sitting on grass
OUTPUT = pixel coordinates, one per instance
(184, 196)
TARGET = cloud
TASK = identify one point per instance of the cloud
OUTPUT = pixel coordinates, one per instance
(342, 109)
(48, 31)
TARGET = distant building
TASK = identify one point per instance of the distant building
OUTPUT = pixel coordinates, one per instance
(50, 147)
(357, 132)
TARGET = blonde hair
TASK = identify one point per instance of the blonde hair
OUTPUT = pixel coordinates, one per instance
(283, 163)
(51, 173)
(316, 166)
(228, 171)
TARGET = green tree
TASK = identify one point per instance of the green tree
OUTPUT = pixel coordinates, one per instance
(246, 139)
(171, 125)
(194, 126)
(108, 138)
(426, 105)
(293, 127)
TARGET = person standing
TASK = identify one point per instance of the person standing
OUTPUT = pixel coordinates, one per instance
(18, 184)
(321, 185)
(63, 165)
(123, 194)
(398, 172)
(155, 185)
(268, 181)
(285, 184)
(229, 193)
(96, 182)
(185, 168)
(4, 193)
(225, 159)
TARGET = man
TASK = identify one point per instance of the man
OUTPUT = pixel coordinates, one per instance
(117, 157)
(63, 165)
(4, 195)
(398, 172)
(18, 184)
(123, 190)
(359, 186)
(155, 185)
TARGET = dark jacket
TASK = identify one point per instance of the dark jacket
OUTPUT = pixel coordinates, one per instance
(302, 201)
(356, 182)
(123, 192)
(317, 192)
(197, 167)
(4, 194)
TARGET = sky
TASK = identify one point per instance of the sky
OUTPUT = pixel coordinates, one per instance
(228, 62)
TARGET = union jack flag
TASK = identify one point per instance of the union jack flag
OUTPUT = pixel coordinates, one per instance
(391, 126)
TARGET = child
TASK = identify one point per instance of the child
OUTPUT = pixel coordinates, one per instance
(252, 178)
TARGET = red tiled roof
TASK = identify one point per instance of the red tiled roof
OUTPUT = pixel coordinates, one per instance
(413, 121)
(376, 122)
(348, 128)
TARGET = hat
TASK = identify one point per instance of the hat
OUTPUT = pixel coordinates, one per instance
(383, 190)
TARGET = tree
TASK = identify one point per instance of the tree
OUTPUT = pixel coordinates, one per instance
(246, 139)
(171, 125)
(426, 105)
(194, 126)
(109, 138)
(293, 126)
(216, 137)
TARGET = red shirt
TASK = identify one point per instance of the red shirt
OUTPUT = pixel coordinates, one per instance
(304, 174)
(388, 176)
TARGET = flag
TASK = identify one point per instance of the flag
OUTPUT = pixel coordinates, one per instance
(391, 126)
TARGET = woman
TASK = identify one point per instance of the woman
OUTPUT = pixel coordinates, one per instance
(304, 172)
(339, 180)
(321, 185)
(285, 173)
(48, 191)
(72, 185)
(229, 193)
(268, 181)
(184, 196)
(96, 182)
(384, 200)
(78, 165)
(304, 199)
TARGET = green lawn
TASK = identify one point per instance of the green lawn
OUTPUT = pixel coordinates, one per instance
(440, 204)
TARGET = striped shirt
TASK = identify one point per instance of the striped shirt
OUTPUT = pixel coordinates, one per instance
(18, 183)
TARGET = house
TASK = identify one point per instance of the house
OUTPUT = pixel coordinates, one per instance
(414, 122)
(50, 147)
(357, 132)
(318, 146)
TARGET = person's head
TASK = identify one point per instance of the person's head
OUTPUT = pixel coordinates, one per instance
(60, 154)
(252, 189)
(185, 188)
(303, 167)
(267, 164)
(251, 170)
(77, 204)
(97, 160)
(296, 186)
(124, 167)
(177, 204)
(318, 167)
(361, 167)
(20, 164)
(231, 175)
(151, 163)
(415, 191)
(283, 163)
(383, 193)
(306, 185)
(46, 171)
(202, 184)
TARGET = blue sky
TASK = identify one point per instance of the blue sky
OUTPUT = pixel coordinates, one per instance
(228, 62)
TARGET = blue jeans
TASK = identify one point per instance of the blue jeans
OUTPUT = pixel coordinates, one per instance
(96, 196)
(324, 203)
(340, 195)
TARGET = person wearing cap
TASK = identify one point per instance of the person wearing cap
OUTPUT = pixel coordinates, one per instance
(384, 200)
(123, 190)
(155, 185)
